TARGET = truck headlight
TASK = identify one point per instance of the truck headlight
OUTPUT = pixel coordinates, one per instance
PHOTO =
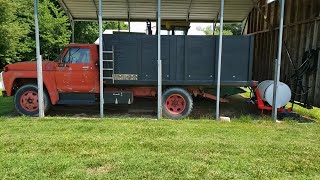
(1, 82)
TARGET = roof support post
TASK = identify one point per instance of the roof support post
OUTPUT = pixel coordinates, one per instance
(100, 60)
(95, 5)
(129, 18)
(215, 23)
(219, 60)
(278, 64)
(39, 62)
(159, 63)
(189, 9)
(129, 22)
(72, 31)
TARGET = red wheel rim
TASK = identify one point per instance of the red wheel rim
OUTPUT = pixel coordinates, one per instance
(175, 104)
(29, 101)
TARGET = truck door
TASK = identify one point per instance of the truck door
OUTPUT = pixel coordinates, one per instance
(79, 74)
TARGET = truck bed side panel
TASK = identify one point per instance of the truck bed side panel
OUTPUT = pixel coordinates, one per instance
(186, 60)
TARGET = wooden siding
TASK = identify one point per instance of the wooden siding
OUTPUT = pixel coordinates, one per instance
(301, 33)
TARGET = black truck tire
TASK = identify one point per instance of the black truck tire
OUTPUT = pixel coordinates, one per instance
(26, 100)
(177, 103)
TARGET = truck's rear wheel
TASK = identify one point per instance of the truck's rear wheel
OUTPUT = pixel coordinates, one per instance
(177, 103)
(26, 100)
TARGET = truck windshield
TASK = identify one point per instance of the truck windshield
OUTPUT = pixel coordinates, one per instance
(68, 58)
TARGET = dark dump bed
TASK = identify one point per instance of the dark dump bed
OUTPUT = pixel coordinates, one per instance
(186, 60)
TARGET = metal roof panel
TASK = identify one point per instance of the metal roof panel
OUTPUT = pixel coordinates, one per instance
(141, 10)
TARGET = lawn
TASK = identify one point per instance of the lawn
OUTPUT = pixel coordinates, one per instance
(75, 148)
(60, 148)
(6, 105)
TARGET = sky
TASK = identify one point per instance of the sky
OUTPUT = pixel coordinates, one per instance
(141, 27)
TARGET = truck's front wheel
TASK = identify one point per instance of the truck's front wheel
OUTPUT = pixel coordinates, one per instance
(177, 103)
(26, 100)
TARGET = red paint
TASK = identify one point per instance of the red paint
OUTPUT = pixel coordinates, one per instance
(11, 76)
(29, 101)
(57, 77)
(210, 96)
(175, 104)
(196, 91)
(137, 91)
(254, 83)
(75, 77)
(262, 106)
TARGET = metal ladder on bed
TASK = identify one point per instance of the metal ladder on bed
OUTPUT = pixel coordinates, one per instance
(108, 65)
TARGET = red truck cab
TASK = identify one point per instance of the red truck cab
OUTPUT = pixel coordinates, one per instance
(75, 72)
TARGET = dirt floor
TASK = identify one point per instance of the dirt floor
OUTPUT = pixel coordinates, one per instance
(202, 109)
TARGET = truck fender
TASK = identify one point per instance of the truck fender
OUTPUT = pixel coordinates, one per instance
(52, 91)
(48, 81)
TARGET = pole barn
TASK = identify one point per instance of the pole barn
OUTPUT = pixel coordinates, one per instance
(138, 10)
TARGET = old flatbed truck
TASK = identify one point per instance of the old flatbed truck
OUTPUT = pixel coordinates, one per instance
(130, 70)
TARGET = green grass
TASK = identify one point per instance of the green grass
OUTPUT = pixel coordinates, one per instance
(6, 105)
(74, 148)
(60, 148)
(311, 113)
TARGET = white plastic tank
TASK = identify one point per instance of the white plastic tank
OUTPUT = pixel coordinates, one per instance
(283, 93)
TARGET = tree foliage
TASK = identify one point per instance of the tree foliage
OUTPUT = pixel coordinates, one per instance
(88, 32)
(12, 32)
(17, 32)
(208, 30)
(17, 29)
(228, 29)
(54, 28)
(235, 28)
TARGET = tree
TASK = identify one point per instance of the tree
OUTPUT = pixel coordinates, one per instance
(54, 28)
(207, 30)
(225, 32)
(228, 29)
(235, 28)
(17, 30)
(11, 33)
(88, 32)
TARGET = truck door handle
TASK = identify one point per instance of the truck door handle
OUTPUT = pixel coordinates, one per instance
(85, 67)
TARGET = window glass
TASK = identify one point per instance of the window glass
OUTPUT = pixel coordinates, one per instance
(77, 56)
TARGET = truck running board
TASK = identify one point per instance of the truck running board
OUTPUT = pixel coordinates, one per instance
(77, 99)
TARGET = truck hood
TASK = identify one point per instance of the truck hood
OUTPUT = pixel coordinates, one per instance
(31, 66)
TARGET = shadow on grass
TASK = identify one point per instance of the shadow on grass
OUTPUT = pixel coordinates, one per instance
(239, 109)
(6, 106)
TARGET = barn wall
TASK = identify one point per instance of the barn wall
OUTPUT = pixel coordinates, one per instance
(301, 33)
